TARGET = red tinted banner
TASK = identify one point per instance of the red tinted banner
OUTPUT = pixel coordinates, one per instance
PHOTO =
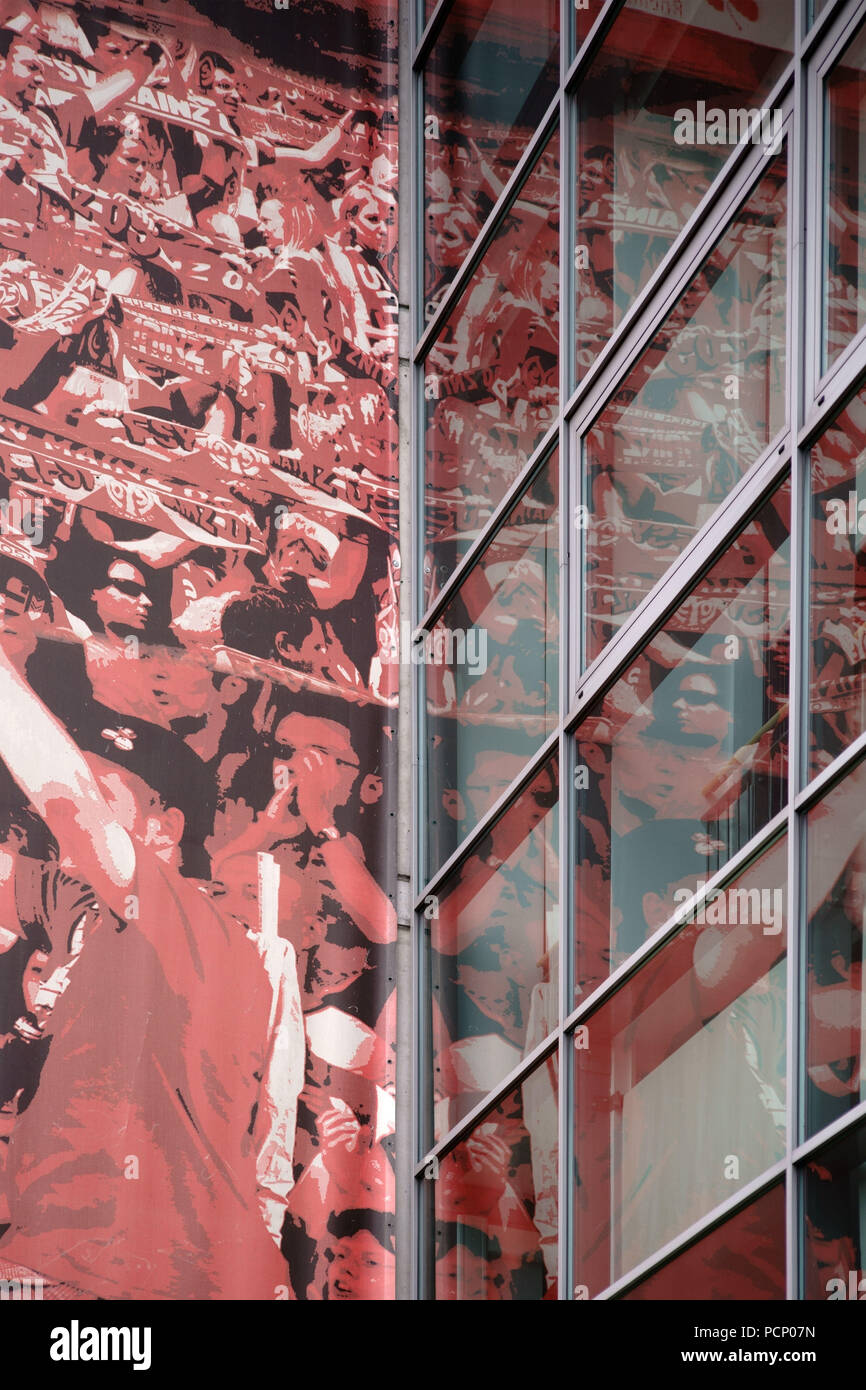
(199, 648)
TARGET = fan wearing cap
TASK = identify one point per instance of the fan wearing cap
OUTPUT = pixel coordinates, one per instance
(157, 1049)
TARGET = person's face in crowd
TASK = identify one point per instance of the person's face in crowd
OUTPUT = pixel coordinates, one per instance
(460, 1274)
(42, 979)
(123, 602)
(23, 75)
(451, 231)
(363, 141)
(310, 543)
(372, 217)
(305, 543)
(596, 174)
(181, 687)
(272, 224)
(112, 48)
(491, 775)
(698, 710)
(238, 888)
(223, 90)
(317, 750)
(310, 655)
(23, 616)
(650, 770)
(532, 372)
(43, 964)
(361, 1268)
(126, 167)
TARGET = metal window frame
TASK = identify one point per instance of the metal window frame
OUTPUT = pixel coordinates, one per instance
(813, 401)
(827, 52)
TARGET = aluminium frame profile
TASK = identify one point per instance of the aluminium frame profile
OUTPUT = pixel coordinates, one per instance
(807, 417)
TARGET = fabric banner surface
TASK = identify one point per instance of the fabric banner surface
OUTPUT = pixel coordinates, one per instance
(199, 648)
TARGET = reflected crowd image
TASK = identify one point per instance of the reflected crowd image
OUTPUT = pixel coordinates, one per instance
(433, 658)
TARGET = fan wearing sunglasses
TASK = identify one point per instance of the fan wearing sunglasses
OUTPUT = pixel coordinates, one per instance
(698, 711)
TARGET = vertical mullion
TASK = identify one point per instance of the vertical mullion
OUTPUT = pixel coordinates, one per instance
(420, 1060)
(812, 332)
(563, 1281)
(564, 1109)
(800, 365)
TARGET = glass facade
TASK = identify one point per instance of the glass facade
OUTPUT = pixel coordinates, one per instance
(639, 444)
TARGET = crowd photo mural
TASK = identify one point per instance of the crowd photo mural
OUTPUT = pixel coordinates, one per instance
(199, 582)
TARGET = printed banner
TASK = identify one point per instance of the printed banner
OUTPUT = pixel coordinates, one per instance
(198, 649)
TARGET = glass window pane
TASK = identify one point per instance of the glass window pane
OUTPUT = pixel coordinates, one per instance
(586, 13)
(836, 897)
(495, 1197)
(744, 1258)
(837, 625)
(835, 1200)
(845, 200)
(492, 672)
(493, 954)
(490, 77)
(659, 111)
(680, 1078)
(685, 757)
(695, 412)
(492, 377)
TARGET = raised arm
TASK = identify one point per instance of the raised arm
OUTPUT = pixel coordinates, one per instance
(53, 773)
(318, 153)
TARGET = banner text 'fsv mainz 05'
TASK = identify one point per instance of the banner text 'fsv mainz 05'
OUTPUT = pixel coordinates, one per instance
(198, 580)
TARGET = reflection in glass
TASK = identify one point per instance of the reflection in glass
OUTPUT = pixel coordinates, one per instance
(835, 1002)
(490, 77)
(493, 963)
(695, 412)
(492, 377)
(845, 200)
(837, 620)
(496, 1226)
(586, 13)
(680, 1077)
(650, 141)
(685, 757)
(492, 671)
(835, 1201)
(744, 1258)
